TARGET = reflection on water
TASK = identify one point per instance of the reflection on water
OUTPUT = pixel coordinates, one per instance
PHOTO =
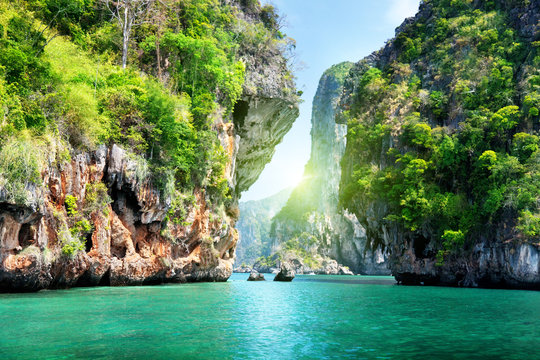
(312, 317)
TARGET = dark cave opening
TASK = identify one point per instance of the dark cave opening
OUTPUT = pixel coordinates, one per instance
(88, 244)
(119, 252)
(105, 279)
(240, 111)
(123, 199)
(25, 235)
(419, 244)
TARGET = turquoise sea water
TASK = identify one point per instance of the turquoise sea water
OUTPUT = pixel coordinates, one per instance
(314, 317)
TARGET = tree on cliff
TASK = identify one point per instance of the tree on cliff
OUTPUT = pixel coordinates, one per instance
(128, 13)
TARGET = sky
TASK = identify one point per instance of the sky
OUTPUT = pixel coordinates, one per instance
(327, 32)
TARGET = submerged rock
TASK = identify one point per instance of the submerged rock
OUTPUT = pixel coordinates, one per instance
(286, 273)
(255, 276)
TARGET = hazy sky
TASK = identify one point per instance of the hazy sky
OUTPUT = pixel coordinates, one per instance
(327, 32)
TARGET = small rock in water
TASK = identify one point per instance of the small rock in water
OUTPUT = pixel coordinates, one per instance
(286, 273)
(255, 276)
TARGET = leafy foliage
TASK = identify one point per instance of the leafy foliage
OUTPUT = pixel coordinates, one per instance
(456, 153)
(59, 78)
(96, 198)
(21, 160)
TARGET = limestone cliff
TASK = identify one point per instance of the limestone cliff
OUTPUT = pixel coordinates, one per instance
(131, 242)
(312, 212)
(413, 172)
(110, 214)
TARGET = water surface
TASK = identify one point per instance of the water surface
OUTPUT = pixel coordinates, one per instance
(312, 317)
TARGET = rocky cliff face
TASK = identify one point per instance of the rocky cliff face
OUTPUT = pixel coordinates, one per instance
(400, 86)
(133, 244)
(261, 123)
(130, 243)
(130, 239)
(267, 109)
(313, 207)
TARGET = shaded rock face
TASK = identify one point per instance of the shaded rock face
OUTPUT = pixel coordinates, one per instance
(286, 273)
(127, 246)
(340, 235)
(495, 264)
(261, 124)
(267, 109)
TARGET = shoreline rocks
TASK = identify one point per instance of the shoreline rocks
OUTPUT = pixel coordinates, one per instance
(343, 270)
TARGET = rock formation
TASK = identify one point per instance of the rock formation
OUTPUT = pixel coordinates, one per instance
(130, 239)
(286, 273)
(131, 244)
(312, 218)
(254, 226)
(243, 269)
(255, 276)
(419, 81)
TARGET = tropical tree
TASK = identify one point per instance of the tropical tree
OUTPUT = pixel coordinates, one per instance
(128, 13)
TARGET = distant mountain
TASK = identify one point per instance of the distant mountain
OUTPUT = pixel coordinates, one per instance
(254, 226)
(311, 228)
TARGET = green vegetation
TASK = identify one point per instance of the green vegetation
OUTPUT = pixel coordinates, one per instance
(447, 136)
(21, 160)
(77, 227)
(61, 83)
(303, 246)
(267, 261)
(96, 199)
(71, 205)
